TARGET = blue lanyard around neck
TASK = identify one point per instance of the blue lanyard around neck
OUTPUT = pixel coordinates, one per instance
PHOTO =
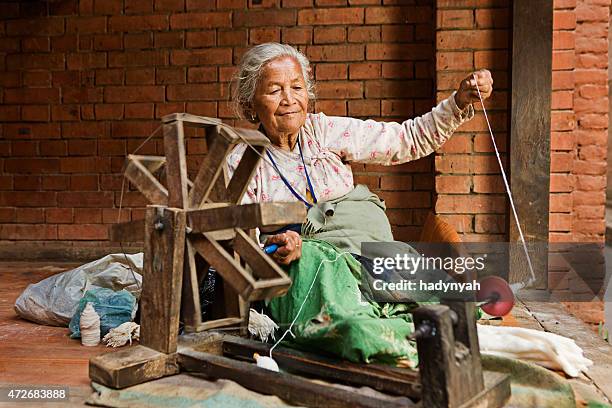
(295, 193)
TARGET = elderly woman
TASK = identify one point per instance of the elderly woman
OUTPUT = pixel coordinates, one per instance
(310, 157)
(309, 161)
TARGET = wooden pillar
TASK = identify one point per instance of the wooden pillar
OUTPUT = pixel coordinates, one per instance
(530, 135)
(163, 277)
(449, 356)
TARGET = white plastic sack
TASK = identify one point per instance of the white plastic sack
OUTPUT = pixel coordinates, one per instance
(54, 300)
(546, 349)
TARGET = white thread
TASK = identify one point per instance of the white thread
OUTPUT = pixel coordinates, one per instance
(304, 301)
(261, 325)
(121, 203)
(266, 362)
(122, 334)
(89, 326)
(519, 285)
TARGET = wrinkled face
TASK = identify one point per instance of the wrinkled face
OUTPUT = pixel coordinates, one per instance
(281, 99)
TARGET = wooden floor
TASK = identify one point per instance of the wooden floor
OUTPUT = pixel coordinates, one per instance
(32, 354)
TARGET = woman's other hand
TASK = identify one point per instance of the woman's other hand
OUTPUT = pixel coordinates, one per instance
(289, 247)
(467, 92)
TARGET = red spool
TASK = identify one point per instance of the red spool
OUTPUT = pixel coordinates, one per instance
(498, 295)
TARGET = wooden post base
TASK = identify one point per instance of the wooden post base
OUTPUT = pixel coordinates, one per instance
(132, 366)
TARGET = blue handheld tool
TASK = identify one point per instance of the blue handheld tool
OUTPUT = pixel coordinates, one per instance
(270, 249)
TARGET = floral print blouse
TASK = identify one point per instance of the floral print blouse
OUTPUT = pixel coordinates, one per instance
(330, 143)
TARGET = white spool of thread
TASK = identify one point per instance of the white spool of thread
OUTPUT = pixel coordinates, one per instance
(90, 326)
(266, 362)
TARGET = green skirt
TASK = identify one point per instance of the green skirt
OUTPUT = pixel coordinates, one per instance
(335, 318)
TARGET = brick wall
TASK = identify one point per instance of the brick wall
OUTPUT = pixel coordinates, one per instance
(591, 109)
(580, 121)
(563, 122)
(563, 140)
(85, 82)
(579, 139)
(473, 35)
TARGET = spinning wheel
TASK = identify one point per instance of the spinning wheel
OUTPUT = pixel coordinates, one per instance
(200, 218)
(203, 219)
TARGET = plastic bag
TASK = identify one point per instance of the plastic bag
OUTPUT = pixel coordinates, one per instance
(54, 300)
(114, 308)
(207, 293)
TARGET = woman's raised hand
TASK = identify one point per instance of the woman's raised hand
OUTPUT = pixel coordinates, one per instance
(289, 247)
(467, 92)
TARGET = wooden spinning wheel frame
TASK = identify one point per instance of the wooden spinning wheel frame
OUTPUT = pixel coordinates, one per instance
(216, 227)
(188, 220)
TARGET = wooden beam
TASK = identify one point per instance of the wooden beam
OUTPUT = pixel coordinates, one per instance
(230, 304)
(210, 170)
(241, 135)
(233, 305)
(224, 263)
(270, 288)
(145, 182)
(263, 266)
(289, 387)
(224, 322)
(219, 189)
(222, 235)
(465, 332)
(131, 366)
(190, 119)
(246, 216)
(235, 135)
(152, 163)
(191, 313)
(234, 274)
(244, 173)
(530, 134)
(382, 378)
(160, 301)
(176, 164)
(252, 136)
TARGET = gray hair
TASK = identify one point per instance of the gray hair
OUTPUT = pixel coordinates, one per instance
(251, 66)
